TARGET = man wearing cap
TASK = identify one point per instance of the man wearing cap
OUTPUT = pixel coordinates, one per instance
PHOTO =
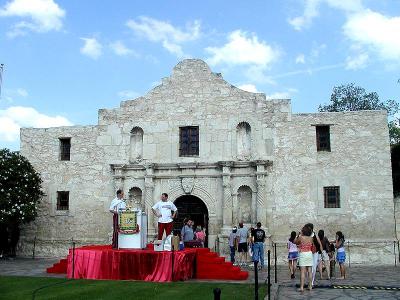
(233, 243)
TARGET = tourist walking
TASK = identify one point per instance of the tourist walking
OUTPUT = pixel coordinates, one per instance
(316, 251)
(233, 241)
(304, 242)
(187, 234)
(258, 239)
(293, 254)
(242, 247)
(324, 256)
(340, 253)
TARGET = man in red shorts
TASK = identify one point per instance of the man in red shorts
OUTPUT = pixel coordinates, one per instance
(165, 211)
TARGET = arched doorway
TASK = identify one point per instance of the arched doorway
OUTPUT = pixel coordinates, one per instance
(194, 207)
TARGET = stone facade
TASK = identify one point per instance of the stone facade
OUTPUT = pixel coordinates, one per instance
(257, 162)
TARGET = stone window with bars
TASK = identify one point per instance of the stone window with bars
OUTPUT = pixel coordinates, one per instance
(332, 197)
(62, 200)
(323, 138)
(65, 148)
(189, 141)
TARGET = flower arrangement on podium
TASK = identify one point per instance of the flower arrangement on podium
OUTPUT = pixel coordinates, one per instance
(128, 222)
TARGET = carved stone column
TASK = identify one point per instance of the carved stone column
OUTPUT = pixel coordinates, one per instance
(235, 210)
(118, 177)
(149, 198)
(261, 193)
(254, 218)
(227, 195)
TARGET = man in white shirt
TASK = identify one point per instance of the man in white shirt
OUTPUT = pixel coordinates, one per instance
(117, 204)
(165, 211)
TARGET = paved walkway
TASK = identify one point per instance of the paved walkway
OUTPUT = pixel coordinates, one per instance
(358, 276)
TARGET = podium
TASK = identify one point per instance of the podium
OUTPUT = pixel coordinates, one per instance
(132, 229)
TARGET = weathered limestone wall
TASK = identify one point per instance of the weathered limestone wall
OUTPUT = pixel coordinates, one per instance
(192, 96)
(87, 179)
(359, 162)
(254, 157)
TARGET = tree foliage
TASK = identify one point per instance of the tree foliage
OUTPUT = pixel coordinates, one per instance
(20, 189)
(349, 97)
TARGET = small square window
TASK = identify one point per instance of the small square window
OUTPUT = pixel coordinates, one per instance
(332, 197)
(65, 148)
(189, 141)
(62, 200)
(323, 138)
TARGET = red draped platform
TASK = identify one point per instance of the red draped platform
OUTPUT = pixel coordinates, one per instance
(102, 262)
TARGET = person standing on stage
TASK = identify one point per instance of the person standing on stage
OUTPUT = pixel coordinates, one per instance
(117, 204)
(165, 211)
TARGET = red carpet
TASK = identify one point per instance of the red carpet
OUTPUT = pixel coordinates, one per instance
(212, 266)
(59, 267)
(101, 262)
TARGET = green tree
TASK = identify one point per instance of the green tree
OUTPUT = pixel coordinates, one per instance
(20, 192)
(349, 97)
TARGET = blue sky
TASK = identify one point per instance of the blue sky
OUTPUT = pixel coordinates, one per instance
(64, 60)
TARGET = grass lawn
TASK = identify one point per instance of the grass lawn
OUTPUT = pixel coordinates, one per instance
(14, 288)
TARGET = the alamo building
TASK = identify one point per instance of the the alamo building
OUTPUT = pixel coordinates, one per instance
(223, 155)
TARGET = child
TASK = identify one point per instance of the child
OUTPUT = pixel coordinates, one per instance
(200, 235)
(293, 254)
(341, 254)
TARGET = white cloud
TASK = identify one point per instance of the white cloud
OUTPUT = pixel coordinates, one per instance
(243, 49)
(15, 117)
(163, 32)
(278, 95)
(300, 59)
(22, 92)
(127, 94)
(310, 12)
(38, 16)
(8, 95)
(92, 48)
(357, 62)
(348, 6)
(376, 32)
(120, 49)
(249, 88)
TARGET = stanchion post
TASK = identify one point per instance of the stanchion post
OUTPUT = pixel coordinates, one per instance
(394, 251)
(34, 246)
(269, 275)
(348, 248)
(398, 249)
(275, 262)
(173, 256)
(73, 260)
(217, 294)
(256, 280)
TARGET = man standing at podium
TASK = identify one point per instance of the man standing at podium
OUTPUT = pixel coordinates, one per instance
(117, 204)
(165, 211)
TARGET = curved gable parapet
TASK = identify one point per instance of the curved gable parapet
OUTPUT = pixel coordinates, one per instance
(193, 87)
